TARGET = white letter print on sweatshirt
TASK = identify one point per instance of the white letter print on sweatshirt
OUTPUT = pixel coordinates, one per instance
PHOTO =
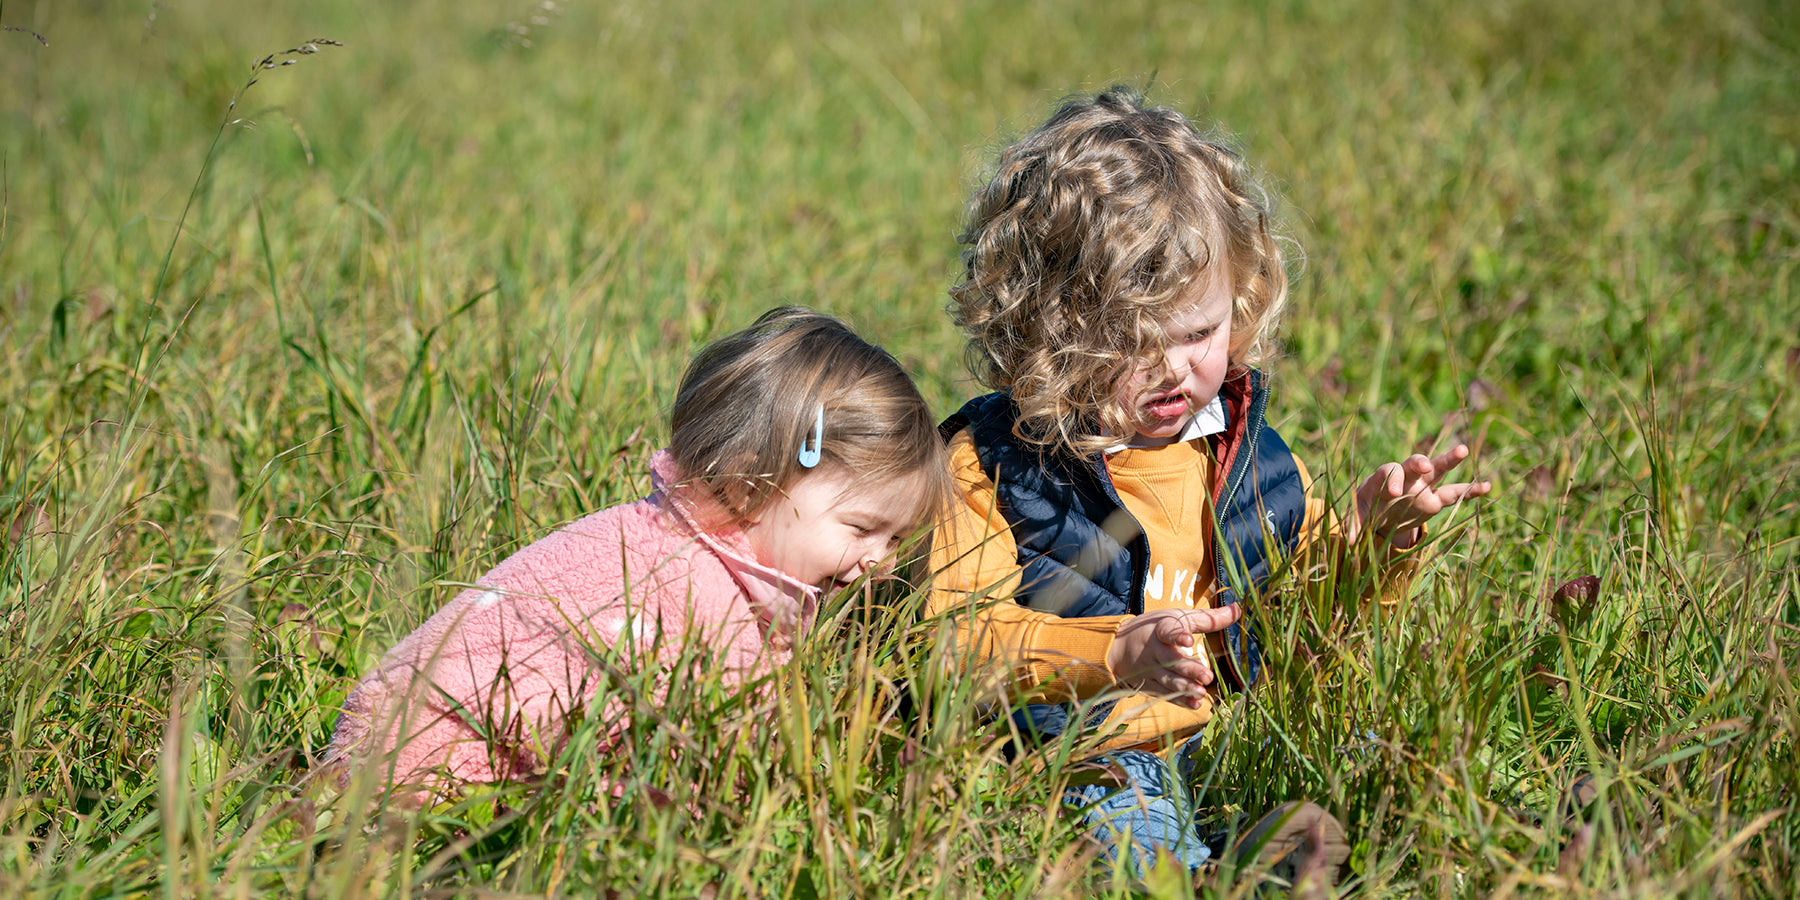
(1181, 588)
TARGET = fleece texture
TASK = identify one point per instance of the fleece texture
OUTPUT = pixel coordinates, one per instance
(487, 684)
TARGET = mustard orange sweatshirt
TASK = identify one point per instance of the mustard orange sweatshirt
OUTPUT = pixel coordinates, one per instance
(1169, 491)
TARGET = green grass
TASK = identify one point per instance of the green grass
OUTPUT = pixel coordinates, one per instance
(277, 377)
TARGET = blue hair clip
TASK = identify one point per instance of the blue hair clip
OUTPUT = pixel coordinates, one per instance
(809, 454)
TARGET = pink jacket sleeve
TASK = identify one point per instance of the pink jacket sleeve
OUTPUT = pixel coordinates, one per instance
(484, 688)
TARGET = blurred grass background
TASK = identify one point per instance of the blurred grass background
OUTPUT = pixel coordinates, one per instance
(278, 374)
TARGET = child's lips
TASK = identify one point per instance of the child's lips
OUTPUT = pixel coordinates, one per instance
(1167, 406)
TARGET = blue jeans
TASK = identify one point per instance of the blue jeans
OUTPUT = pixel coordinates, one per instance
(1147, 808)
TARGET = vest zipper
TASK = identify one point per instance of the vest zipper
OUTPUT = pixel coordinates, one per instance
(1234, 480)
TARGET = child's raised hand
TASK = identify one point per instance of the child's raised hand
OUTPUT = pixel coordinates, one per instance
(1160, 653)
(1401, 496)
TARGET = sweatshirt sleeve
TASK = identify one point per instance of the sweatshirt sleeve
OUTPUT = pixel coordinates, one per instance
(1325, 546)
(977, 574)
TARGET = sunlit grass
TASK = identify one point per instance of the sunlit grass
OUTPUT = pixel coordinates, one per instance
(269, 398)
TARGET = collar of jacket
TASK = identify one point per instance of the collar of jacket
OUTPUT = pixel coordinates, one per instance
(785, 604)
(1241, 403)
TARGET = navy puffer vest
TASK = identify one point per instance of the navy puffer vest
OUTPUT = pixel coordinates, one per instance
(1068, 520)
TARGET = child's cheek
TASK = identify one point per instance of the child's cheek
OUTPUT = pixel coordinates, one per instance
(1128, 390)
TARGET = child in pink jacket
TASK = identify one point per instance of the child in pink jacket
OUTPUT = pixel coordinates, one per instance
(800, 457)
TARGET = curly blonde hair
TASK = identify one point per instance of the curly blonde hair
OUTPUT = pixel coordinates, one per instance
(1086, 240)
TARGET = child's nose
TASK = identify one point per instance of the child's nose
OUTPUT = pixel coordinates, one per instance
(875, 562)
(1177, 364)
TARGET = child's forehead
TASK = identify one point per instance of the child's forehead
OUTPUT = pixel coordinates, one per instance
(1203, 296)
(897, 495)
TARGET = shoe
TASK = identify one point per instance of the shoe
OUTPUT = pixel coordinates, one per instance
(1576, 800)
(1298, 841)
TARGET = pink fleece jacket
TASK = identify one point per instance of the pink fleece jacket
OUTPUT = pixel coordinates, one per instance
(496, 671)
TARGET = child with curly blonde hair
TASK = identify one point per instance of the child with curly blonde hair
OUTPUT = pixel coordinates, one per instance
(1122, 497)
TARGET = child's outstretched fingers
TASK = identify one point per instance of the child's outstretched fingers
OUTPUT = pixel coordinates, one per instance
(1207, 621)
(1401, 496)
(1449, 459)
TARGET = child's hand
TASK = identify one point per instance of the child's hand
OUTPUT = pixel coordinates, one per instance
(1399, 497)
(1158, 652)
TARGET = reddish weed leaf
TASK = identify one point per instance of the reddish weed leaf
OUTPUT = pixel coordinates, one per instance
(1332, 377)
(1583, 591)
(1575, 599)
(1482, 394)
(29, 521)
(1539, 483)
(1575, 852)
(1306, 655)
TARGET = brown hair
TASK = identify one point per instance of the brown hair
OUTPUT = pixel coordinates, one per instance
(1087, 237)
(750, 400)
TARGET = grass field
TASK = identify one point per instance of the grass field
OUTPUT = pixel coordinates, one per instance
(291, 351)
